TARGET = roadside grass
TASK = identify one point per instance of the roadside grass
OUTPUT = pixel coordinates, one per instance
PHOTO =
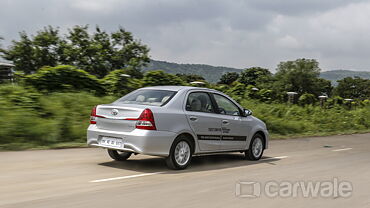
(31, 120)
(68, 145)
(319, 134)
(35, 146)
(287, 121)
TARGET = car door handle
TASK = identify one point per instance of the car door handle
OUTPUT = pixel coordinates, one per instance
(225, 122)
(193, 118)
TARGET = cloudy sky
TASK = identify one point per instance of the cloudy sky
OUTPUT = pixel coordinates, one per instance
(235, 33)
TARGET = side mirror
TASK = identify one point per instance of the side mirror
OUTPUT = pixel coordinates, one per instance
(247, 112)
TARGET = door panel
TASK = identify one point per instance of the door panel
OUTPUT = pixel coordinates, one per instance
(207, 128)
(234, 133)
(204, 122)
(234, 130)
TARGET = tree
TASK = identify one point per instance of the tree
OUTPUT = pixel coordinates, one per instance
(97, 53)
(255, 76)
(301, 76)
(29, 54)
(22, 54)
(265, 95)
(46, 46)
(228, 78)
(132, 72)
(237, 90)
(307, 99)
(190, 77)
(118, 83)
(158, 77)
(354, 88)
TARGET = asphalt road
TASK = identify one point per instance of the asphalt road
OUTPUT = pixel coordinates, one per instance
(87, 177)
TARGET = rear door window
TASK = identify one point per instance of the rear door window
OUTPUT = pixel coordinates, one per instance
(199, 102)
(148, 97)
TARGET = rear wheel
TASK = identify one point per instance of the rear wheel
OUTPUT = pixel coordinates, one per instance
(256, 147)
(119, 155)
(180, 154)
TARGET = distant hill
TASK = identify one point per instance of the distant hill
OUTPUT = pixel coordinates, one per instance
(213, 73)
(210, 73)
(335, 75)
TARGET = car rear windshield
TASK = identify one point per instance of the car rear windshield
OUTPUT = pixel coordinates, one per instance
(147, 97)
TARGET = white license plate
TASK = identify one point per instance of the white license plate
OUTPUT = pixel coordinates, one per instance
(111, 142)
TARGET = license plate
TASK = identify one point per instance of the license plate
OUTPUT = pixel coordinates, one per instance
(111, 142)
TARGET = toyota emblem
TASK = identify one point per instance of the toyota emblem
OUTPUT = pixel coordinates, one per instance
(114, 112)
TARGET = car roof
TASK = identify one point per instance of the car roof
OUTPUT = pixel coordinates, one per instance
(178, 88)
(175, 88)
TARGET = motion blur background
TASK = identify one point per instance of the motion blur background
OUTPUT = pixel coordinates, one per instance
(61, 58)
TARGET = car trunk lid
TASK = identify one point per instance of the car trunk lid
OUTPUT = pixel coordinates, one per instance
(118, 117)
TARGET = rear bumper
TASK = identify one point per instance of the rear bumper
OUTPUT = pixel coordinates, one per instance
(147, 142)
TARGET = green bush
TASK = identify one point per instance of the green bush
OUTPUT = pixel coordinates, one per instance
(64, 78)
(265, 95)
(307, 99)
(32, 119)
(297, 120)
(366, 102)
(237, 90)
(157, 78)
(70, 112)
(118, 83)
(14, 95)
(35, 120)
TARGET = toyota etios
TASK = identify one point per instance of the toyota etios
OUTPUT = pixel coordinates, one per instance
(176, 122)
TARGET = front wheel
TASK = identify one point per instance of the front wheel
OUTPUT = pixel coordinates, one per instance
(119, 155)
(256, 147)
(180, 154)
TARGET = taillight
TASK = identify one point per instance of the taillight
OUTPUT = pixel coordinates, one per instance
(93, 116)
(146, 120)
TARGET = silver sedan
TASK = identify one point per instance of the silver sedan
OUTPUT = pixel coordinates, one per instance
(176, 122)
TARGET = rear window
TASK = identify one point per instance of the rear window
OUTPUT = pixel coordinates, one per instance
(147, 97)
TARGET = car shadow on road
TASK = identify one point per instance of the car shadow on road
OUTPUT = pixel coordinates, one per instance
(198, 163)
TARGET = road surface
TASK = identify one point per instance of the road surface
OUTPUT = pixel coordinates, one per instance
(87, 177)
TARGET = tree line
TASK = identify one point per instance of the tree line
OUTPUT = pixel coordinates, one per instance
(97, 53)
(300, 76)
(109, 63)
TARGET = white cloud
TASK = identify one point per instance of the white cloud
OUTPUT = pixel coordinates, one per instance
(338, 38)
(234, 33)
(288, 42)
(100, 6)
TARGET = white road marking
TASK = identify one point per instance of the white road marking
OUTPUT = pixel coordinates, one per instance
(125, 177)
(338, 150)
(278, 157)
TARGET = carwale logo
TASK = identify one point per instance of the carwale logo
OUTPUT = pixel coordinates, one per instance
(333, 188)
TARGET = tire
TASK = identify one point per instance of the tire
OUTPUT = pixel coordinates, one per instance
(118, 155)
(256, 148)
(183, 149)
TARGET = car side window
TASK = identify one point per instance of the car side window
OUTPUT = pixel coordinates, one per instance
(225, 106)
(199, 102)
